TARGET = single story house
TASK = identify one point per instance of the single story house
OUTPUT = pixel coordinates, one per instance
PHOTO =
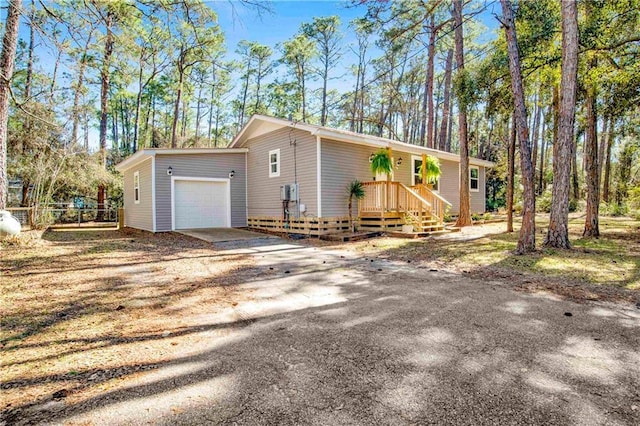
(288, 176)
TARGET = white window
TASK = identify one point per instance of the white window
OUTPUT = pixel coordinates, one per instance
(474, 179)
(274, 163)
(136, 187)
(416, 176)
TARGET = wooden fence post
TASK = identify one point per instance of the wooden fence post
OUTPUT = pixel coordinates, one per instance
(121, 218)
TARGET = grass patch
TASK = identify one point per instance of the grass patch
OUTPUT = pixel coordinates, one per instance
(613, 260)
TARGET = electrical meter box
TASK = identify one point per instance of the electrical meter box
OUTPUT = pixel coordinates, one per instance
(285, 192)
(293, 192)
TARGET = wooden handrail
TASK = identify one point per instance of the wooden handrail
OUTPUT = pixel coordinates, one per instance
(382, 196)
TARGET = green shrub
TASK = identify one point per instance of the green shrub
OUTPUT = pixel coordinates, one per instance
(487, 216)
(614, 209)
(475, 217)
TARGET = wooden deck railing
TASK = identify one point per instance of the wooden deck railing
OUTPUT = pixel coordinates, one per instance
(382, 197)
(438, 204)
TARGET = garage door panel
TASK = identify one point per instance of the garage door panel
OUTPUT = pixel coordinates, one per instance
(200, 204)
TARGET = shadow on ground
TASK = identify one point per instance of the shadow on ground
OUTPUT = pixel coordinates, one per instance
(328, 337)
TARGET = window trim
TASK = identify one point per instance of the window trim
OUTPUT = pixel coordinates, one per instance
(136, 187)
(277, 163)
(477, 179)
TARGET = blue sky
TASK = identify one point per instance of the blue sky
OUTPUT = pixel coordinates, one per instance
(240, 23)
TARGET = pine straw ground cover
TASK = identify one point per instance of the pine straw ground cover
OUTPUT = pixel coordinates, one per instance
(83, 311)
(607, 268)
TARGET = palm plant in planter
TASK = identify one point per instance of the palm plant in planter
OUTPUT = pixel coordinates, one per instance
(355, 189)
(382, 163)
(430, 170)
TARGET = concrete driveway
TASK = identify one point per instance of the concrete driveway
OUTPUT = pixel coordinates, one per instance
(331, 338)
(221, 235)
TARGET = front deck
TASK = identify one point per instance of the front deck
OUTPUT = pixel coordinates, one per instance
(389, 205)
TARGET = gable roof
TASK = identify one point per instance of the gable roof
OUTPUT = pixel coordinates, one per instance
(262, 124)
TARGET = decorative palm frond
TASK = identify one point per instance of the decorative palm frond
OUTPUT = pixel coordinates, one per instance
(355, 189)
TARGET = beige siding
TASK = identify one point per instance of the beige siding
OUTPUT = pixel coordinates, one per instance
(449, 184)
(344, 162)
(138, 215)
(450, 189)
(263, 191)
(206, 166)
(341, 163)
(478, 204)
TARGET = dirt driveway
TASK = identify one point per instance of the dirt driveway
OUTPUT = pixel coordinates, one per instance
(310, 335)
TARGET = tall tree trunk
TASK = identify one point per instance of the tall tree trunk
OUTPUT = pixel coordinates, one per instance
(198, 116)
(607, 162)
(511, 153)
(78, 91)
(244, 94)
(541, 162)
(212, 100)
(27, 98)
(448, 143)
(527, 237)
(354, 106)
(136, 124)
(325, 78)
(602, 146)
(7, 59)
(464, 216)
(304, 93)
(591, 224)
(575, 187)
(558, 232)
(535, 135)
(176, 108)
(426, 130)
(104, 106)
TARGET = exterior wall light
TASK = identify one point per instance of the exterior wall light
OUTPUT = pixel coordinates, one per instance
(232, 173)
(399, 162)
(169, 170)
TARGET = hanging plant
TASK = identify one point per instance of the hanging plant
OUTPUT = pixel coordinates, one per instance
(432, 169)
(381, 162)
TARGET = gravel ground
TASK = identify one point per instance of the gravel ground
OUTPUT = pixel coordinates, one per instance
(328, 337)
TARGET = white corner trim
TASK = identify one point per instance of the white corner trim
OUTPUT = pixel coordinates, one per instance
(202, 179)
(319, 173)
(246, 188)
(153, 193)
(277, 152)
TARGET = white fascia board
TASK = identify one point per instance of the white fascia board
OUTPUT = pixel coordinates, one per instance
(133, 160)
(183, 151)
(240, 137)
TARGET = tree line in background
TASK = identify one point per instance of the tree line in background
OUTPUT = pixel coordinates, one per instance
(557, 92)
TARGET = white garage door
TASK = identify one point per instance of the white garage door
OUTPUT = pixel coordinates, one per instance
(200, 204)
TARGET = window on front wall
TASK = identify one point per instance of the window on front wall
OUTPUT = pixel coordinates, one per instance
(136, 187)
(474, 179)
(274, 163)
